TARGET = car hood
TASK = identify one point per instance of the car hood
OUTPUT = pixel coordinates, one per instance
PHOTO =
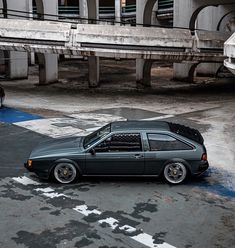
(58, 147)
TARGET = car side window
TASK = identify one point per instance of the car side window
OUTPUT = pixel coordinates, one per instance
(122, 142)
(163, 142)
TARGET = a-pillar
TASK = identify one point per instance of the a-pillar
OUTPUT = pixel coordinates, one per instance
(17, 61)
(144, 10)
(48, 63)
(93, 61)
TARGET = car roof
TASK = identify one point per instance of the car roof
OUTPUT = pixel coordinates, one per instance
(139, 125)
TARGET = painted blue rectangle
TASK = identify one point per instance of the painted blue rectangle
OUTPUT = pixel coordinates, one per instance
(11, 115)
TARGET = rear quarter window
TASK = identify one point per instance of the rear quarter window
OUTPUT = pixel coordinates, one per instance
(164, 142)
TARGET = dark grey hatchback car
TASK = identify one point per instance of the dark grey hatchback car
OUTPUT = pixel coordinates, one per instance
(128, 148)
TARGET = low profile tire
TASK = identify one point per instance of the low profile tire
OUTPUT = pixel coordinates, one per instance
(65, 173)
(175, 172)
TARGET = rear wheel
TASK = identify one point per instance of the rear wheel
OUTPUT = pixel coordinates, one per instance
(175, 172)
(65, 173)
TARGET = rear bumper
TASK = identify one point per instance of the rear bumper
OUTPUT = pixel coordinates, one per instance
(202, 167)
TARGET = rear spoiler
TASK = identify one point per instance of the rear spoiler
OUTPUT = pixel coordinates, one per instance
(187, 132)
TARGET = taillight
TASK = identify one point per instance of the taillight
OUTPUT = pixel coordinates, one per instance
(204, 157)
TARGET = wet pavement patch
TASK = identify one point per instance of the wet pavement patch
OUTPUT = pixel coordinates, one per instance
(11, 115)
(216, 181)
(51, 238)
(63, 202)
(9, 192)
(129, 113)
(83, 243)
(143, 207)
(56, 212)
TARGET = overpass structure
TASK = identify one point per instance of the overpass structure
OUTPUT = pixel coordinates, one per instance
(229, 51)
(111, 41)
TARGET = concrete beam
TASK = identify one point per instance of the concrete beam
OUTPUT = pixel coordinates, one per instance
(94, 40)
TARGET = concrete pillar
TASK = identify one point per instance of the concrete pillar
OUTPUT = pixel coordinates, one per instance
(93, 62)
(48, 63)
(18, 61)
(94, 71)
(83, 10)
(118, 10)
(144, 10)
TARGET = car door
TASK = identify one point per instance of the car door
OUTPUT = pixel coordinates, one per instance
(120, 154)
(162, 147)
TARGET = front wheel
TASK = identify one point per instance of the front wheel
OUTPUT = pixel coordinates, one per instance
(175, 172)
(65, 173)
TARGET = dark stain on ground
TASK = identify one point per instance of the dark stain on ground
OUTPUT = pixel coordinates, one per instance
(63, 202)
(56, 213)
(82, 187)
(92, 234)
(11, 194)
(143, 207)
(158, 237)
(44, 208)
(51, 238)
(83, 242)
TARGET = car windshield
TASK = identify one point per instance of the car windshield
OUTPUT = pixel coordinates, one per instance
(96, 136)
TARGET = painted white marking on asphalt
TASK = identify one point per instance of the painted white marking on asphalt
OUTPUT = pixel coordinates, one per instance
(83, 209)
(128, 228)
(147, 240)
(25, 180)
(52, 127)
(54, 195)
(142, 238)
(45, 190)
(158, 118)
(113, 223)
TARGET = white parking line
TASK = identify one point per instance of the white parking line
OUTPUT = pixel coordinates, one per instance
(25, 180)
(143, 238)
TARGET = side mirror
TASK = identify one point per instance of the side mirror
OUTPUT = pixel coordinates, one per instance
(92, 151)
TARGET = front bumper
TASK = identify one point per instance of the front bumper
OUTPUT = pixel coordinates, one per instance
(27, 167)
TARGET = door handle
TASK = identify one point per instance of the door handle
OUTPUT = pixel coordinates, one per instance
(138, 156)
